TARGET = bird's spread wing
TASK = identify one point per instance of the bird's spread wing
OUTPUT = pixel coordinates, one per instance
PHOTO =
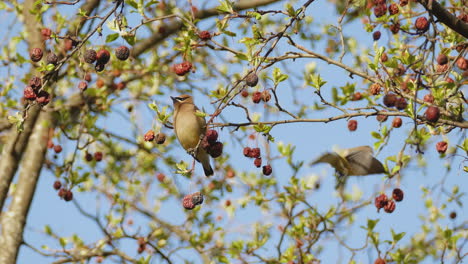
(361, 161)
(335, 160)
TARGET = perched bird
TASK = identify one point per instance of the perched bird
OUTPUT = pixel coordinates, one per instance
(190, 130)
(356, 161)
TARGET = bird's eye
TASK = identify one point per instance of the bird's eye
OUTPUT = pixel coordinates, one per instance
(180, 99)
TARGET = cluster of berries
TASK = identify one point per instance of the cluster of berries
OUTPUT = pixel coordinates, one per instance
(211, 144)
(382, 201)
(191, 200)
(256, 154)
(160, 137)
(63, 193)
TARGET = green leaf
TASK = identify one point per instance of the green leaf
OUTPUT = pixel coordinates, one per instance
(397, 236)
(371, 224)
(278, 76)
(112, 37)
(225, 7)
(376, 135)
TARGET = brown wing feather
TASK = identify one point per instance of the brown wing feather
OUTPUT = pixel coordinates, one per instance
(361, 162)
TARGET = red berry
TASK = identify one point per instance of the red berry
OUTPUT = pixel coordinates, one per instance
(380, 10)
(245, 93)
(90, 56)
(441, 147)
(29, 93)
(50, 144)
(393, 9)
(453, 215)
(149, 136)
(396, 123)
(46, 33)
(35, 83)
(432, 114)
(357, 96)
(122, 53)
(403, 2)
(36, 54)
(247, 151)
(204, 35)
(83, 86)
(160, 138)
(251, 79)
(462, 63)
(352, 125)
(390, 207)
(376, 35)
(211, 136)
(98, 156)
(187, 202)
(182, 68)
(230, 173)
(57, 148)
(258, 162)
(384, 57)
(68, 44)
(43, 98)
(267, 170)
(68, 196)
(379, 261)
(102, 56)
(266, 96)
(380, 201)
(389, 100)
(374, 89)
(382, 118)
(216, 149)
(57, 185)
(429, 98)
(121, 85)
(397, 194)
(52, 58)
(256, 97)
(87, 77)
(442, 59)
(62, 192)
(395, 27)
(161, 177)
(227, 203)
(88, 157)
(99, 67)
(421, 24)
(401, 103)
(255, 153)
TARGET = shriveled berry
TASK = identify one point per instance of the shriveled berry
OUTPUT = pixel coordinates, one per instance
(442, 68)
(256, 97)
(52, 58)
(453, 215)
(251, 79)
(441, 147)
(380, 10)
(204, 35)
(442, 59)
(403, 2)
(46, 33)
(29, 93)
(160, 138)
(99, 67)
(395, 27)
(87, 77)
(35, 83)
(36, 54)
(83, 86)
(393, 9)
(88, 157)
(57, 185)
(255, 153)
(396, 123)
(161, 177)
(68, 44)
(141, 248)
(389, 100)
(216, 149)
(400, 70)
(204, 144)
(149, 136)
(197, 198)
(100, 83)
(57, 148)
(462, 63)
(421, 24)
(102, 56)
(247, 151)
(122, 53)
(68, 196)
(62, 192)
(98, 156)
(211, 136)
(428, 98)
(357, 96)
(382, 118)
(352, 125)
(376, 35)
(463, 17)
(267, 170)
(187, 202)
(390, 207)
(380, 201)
(90, 56)
(266, 96)
(432, 114)
(227, 203)
(379, 261)
(258, 162)
(43, 98)
(401, 103)
(182, 68)
(384, 57)
(230, 173)
(120, 86)
(397, 194)
(375, 89)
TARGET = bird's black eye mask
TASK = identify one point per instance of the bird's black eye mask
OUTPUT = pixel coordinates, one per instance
(181, 99)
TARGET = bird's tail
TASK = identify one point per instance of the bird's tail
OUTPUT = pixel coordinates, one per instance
(207, 169)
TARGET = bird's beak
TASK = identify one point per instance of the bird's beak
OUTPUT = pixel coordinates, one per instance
(173, 98)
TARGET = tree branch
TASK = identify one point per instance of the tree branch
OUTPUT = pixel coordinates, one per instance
(445, 17)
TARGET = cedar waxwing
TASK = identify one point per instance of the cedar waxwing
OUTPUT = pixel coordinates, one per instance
(190, 130)
(356, 161)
